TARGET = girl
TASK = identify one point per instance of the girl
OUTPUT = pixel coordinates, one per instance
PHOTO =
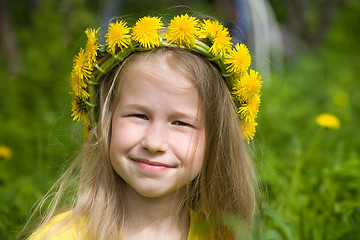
(164, 156)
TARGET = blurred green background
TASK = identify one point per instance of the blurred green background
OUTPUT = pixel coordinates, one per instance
(309, 175)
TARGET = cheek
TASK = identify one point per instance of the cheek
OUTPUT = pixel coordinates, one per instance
(193, 151)
(123, 136)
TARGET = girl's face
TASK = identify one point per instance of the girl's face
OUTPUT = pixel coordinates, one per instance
(158, 133)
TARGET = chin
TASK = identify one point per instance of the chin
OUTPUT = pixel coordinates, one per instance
(156, 191)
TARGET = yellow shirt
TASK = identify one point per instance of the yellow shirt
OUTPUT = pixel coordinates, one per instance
(70, 231)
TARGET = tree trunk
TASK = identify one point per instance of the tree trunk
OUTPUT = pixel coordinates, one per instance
(8, 40)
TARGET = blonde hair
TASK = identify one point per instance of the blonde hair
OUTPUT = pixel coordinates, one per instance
(226, 183)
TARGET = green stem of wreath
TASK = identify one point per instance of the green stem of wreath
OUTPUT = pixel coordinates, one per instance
(99, 71)
(203, 49)
(92, 101)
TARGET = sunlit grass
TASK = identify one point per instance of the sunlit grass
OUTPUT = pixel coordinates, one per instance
(309, 175)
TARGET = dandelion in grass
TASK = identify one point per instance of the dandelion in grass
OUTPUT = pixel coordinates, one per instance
(118, 36)
(238, 59)
(78, 87)
(5, 152)
(248, 130)
(183, 30)
(249, 109)
(81, 67)
(91, 45)
(218, 35)
(327, 120)
(247, 86)
(80, 111)
(146, 33)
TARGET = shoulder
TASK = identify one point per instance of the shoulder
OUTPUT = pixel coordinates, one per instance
(59, 227)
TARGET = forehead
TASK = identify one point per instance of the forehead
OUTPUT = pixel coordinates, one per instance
(157, 68)
(156, 88)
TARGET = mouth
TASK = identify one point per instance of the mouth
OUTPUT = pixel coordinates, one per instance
(151, 166)
(151, 163)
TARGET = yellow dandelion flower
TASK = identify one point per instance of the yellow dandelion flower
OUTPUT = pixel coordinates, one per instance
(218, 34)
(248, 130)
(5, 152)
(86, 131)
(80, 111)
(209, 28)
(327, 120)
(247, 86)
(91, 45)
(118, 36)
(183, 30)
(249, 109)
(86, 121)
(146, 33)
(78, 86)
(222, 43)
(239, 59)
(81, 66)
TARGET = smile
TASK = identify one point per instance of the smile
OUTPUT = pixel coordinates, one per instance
(151, 166)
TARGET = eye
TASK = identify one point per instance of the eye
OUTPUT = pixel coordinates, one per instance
(141, 116)
(181, 123)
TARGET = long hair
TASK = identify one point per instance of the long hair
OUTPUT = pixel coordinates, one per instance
(226, 183)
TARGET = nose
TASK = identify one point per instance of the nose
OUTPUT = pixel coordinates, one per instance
(155, 138)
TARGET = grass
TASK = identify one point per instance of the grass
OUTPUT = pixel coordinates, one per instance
(309, 175)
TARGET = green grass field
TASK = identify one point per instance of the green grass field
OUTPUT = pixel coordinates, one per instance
(309, 175)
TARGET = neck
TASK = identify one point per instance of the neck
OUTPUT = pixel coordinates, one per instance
(155, 217)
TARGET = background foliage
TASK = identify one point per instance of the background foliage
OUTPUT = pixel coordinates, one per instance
(309, 176)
